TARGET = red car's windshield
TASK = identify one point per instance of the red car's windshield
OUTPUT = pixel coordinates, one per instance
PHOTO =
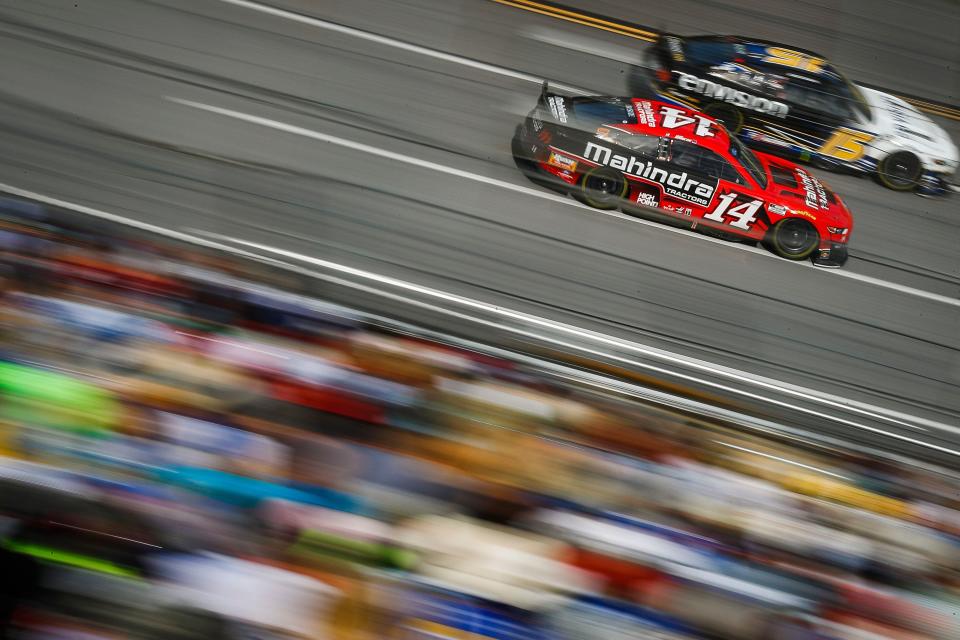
(749, 161)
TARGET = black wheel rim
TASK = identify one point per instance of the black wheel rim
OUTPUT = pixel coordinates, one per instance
(603, 188)
(795, 236)
(902, 169)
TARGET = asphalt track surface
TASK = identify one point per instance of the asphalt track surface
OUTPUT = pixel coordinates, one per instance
(338, 143)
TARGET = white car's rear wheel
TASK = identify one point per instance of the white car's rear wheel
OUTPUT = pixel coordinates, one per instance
(900, 171)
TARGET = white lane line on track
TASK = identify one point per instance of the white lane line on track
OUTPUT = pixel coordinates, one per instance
(864, 409)
(400, 44)
(366, 148)
(902, 288)
(442, 168)
(853, 406)
(468, 175)
(583, 336)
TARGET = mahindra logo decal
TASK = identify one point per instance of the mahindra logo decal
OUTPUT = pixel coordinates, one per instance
(677, 184)
(816, 195)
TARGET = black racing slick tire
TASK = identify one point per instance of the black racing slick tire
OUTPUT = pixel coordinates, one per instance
(793, 239)
(900, 171)
(602, 188)
(729, 116)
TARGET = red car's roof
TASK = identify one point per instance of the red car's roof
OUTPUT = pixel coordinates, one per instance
(671, 121)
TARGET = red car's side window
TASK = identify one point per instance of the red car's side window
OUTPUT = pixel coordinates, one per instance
(704, 161)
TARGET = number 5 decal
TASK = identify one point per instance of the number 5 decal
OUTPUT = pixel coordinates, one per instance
(846, 144)
(745, 213)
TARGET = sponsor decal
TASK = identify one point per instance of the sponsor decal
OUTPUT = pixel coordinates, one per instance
(645, 115)
(648, 199)
(816, 195)
(676, 49)
(902, 118)
(602, 132)
(562, 162)
(674, 118)
(745, 75)
(557, 107)
(777, 209)
(537, 125)
(710, 89)
(678, 184)
(804, 213)
(683, 211)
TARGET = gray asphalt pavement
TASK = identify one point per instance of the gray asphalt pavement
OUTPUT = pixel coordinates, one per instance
(107, 103)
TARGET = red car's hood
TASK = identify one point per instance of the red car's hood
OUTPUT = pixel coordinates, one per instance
(801, 191)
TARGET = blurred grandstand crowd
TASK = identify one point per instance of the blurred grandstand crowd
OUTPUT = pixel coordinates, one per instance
(192, 450)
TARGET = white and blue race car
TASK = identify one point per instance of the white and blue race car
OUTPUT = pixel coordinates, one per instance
(793, 103)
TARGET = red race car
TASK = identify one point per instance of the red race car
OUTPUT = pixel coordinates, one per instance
(652, 158)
